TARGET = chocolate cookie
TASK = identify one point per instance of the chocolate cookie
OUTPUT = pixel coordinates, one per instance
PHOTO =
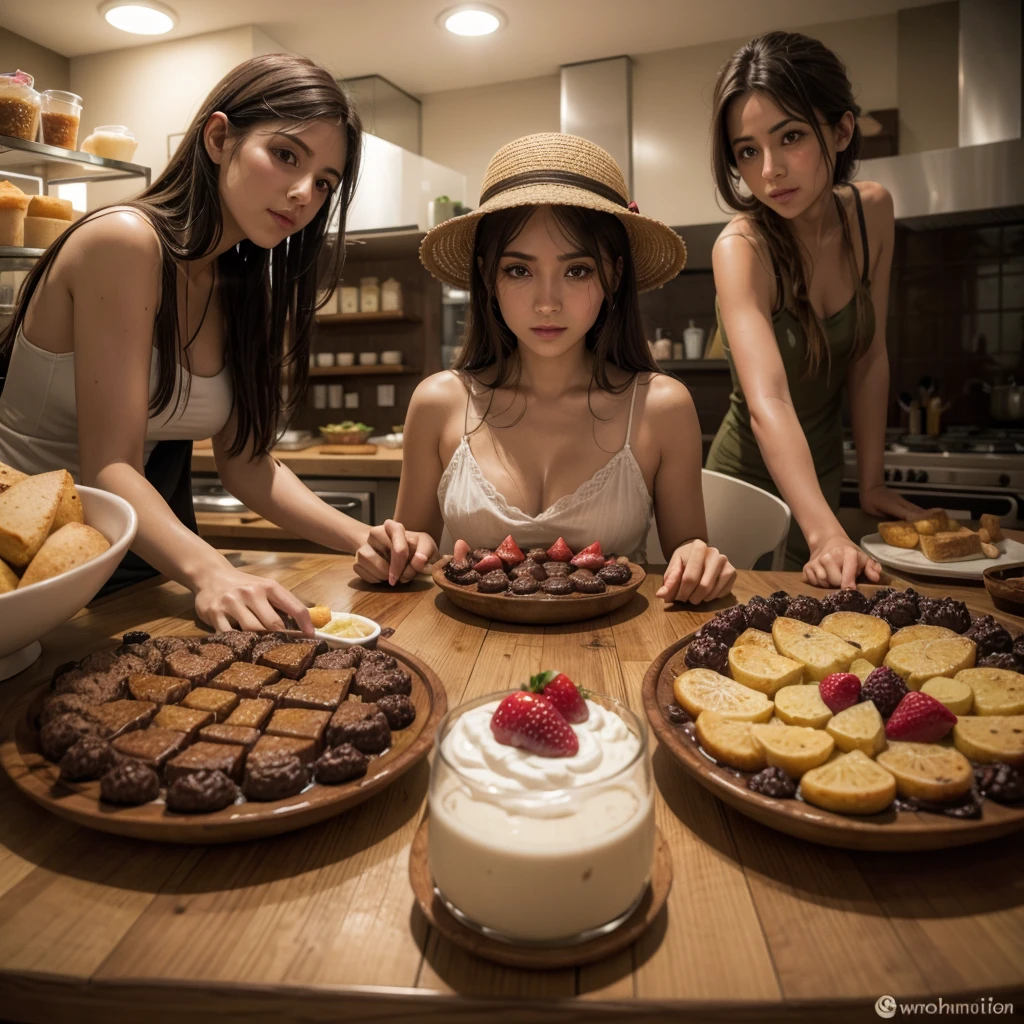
(558, 586)
(616, 574)
(349, 657)
(378, 657)
(275, 777)
(340, 764)
(169, 644)
(89, 758)
(130, 782)
(99, 687)
(537, 555)
(398, 709)
(63, 732)
(530, 569)
(494, 582)
(524, 585)
(362, 725)
(552, 569)
(467, 578)
(373, 684)
(588, 584)
(200, 792)
(240, 641)
(63, 704)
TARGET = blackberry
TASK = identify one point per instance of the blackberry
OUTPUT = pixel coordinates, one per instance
(676, 714)
(1007, 661)
(760, 614)
(989, 636)
(735, 616)
(772, 782)
(880, 595)
(720, 629)
(1000, 782)
(779, 601)
(848, 600)
(136, 636)
(945, 612)
(707, 652)
(884, 689)
(806, 609)
(1018, 646)
(897, 609)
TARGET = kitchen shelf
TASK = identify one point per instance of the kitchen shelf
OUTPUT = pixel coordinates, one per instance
(359, 371)
(18, 257)
(396, 316)
(19, 153)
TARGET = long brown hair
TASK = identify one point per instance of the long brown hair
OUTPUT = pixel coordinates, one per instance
(270, 296)
(617, 335)
(807, 81)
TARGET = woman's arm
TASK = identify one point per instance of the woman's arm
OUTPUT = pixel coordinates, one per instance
(114, 265)
(869, 376)
(696, 572)
(744, 289)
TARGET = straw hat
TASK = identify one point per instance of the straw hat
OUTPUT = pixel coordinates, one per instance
(559, 170)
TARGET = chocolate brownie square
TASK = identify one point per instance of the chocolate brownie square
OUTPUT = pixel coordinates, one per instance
(154, 745)
(219, 653)
(205, 698)
(252, 713)
(158, 689)
(336, 675)
(244, 679)
(299, 723)
(201, 756)
(121, 716)
(323, 694)
(184, 720)
(240, 734)
(198, 671)
(290, 660)
(276, 691)
(274, 746)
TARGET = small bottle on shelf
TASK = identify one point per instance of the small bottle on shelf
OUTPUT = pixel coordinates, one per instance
(369, 295)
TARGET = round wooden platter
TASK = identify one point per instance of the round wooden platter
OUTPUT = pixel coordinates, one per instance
(543, 958)
(891, 830)
(538, 609)
(38, 779)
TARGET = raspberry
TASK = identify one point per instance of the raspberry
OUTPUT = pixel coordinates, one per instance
(772, 782)
(707, 652)
(136, 636)
(806, 609)
(884, 689)
(840, 691)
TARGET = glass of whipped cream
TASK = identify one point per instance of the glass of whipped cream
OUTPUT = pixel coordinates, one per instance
(541, 850)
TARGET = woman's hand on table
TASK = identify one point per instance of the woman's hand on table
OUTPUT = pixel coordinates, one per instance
(392, 553)
(697, 573)
(885, 503)
(837, 562)
(227, 598)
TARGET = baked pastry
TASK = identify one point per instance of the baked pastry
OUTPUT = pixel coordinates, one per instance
(276, 691)
(558, 585)
(950, 547)
(340, 764)
(899, 534)
(153, 746)
(244, 679)
(323, 694)
(201, 791)
(198, 671)
(991, 530)
(362, 725)
(13, 204)
(934, 522)
(240, 641)
(202, 756)
(46, 218)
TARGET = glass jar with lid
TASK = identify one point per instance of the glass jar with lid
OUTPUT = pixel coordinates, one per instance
(111, 142)
(61, 115)
(369, 295)
(19, 106)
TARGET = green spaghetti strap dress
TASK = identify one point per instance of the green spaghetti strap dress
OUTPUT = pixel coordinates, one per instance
(817, 400)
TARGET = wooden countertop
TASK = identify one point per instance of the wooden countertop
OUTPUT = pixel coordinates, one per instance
(323, 460)
(321, 924)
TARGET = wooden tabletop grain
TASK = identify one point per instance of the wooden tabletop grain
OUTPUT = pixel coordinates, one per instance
(321, 925)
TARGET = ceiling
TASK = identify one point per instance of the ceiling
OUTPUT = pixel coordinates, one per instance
(401, 40)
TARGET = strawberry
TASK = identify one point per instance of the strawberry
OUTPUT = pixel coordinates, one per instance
(487, 564)
(919, 718)
(559, 551)
(569, 698)
(840, 691)
(508, 551)
(592, 561)
(591, 549)
(532, 722)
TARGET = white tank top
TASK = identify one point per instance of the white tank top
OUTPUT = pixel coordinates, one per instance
(39, 417)
(613, 506)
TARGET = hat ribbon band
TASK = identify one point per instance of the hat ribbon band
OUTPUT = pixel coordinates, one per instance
(553, 178)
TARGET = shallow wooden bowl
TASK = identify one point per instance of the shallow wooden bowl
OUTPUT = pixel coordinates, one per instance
(891, 830)
(1005, 595)
(38, 779)
(539, 609)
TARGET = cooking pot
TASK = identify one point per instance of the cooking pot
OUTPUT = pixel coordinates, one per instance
(1006, 402)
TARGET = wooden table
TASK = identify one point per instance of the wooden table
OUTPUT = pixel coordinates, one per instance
(321, 924)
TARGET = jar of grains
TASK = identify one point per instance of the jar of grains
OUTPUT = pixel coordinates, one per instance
(61, 113)
(19, 106)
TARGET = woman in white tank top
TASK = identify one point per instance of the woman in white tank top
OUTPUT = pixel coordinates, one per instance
(555, 421)
(180, 315)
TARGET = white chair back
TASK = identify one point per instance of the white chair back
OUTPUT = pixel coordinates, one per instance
(743, 521)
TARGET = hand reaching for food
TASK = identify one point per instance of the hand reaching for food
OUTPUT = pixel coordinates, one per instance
(394, 554)
(837, 562)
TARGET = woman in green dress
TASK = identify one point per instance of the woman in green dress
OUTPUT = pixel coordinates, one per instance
(802, 279)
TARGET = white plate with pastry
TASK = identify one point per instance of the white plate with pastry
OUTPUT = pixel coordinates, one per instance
(968, 567)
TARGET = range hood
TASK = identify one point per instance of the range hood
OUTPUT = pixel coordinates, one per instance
(981, 180)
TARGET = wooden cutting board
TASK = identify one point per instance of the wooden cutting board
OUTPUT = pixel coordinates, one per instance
(348, 449)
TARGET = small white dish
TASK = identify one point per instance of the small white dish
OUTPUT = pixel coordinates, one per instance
(391, 358)
(367, 358)
(325, 359)
(336, 642)
(346, 359)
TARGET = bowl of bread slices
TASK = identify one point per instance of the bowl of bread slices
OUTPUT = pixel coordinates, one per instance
(59, 544)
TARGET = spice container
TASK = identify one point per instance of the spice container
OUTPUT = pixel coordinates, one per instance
(111, 142)
(391, 295)
(349, 301)
(61, 114)
(693, 341)
(369, 295)
(19, 106)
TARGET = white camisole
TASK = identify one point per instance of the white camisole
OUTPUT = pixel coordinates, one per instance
(613, 506)
(39, 417)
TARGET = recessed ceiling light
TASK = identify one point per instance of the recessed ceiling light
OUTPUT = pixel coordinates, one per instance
(143, 18)
(472, 19)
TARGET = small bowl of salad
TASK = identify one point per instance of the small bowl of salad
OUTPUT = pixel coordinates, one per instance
(346, 432)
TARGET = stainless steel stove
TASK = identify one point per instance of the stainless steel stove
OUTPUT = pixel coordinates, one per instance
(962, 471)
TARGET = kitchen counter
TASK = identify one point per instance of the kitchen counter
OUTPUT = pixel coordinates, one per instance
(323, 460)
(321, 924)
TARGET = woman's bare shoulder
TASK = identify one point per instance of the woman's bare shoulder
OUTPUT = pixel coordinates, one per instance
(667, 396)
(120, 227)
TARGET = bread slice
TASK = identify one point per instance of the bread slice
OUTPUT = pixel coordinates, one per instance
(991, 738)
(67, 548)
(849, 784)
(951, 547)
(821, 652)
(70, 508)
(934, 522)
(802, 705)
(729, 741)
(763, 670)
(920, 632)
(958, 697)
(927, 771)
(862, 668)
(701, 689)
(8, 579)
(756, 636)
(921, 660)
(997, 691)
(991, 525)
(899, 534)
(793, 748)
(866, 632)
(9, 476)
(27, 511)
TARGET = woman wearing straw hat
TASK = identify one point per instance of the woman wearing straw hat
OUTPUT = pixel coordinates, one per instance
(802, 276)
(555, 421)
